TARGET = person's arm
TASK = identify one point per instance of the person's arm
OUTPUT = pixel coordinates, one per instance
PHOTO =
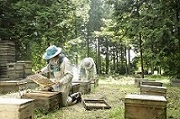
(68, 74)
(45, 69)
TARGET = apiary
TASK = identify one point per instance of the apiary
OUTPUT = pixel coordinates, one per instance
(13, 108)
(85, 86)
(145, 107)
(45, 101)
(152, 83)
(153, 90)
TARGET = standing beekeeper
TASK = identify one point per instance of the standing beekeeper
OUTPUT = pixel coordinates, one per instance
(87, 69)
(60, 65)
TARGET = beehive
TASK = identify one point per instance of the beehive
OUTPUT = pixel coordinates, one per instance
(45, 101)
(145, 107)
(27, 67)
(12, 108)
(138, 81)
(85, 86)
(152, 83)
(12, 86)
(75, 88)
(15, 71)
(7, 54)
(153, 90)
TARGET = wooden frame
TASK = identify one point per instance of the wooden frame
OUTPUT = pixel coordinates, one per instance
(90, 104)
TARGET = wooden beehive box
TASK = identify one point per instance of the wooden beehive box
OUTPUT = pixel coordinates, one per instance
(153, 90)
(93, 104)
(45, 101)
(15, 71)
(75, 88)
(152, 83)
(27, 67)
(138, 81)
(85, 86)
(12, 108)
(12, 86)
(145, 107)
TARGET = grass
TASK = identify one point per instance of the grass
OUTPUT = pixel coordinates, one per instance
(113, 90)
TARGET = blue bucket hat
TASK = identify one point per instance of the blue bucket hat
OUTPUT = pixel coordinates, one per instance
(51, 52)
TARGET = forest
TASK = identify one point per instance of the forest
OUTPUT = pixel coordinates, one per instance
(109, 31)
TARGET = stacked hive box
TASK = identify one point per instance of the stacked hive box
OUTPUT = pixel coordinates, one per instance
(7, 55)
(27, 67)
(15, 71)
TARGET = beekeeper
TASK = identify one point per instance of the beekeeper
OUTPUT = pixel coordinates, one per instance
(60, 65)
(87, 69)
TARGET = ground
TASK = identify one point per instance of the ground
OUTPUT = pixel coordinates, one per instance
(113, 89)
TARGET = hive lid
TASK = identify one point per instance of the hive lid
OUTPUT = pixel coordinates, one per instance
(156, 87)
(16, 101)
(146, 97)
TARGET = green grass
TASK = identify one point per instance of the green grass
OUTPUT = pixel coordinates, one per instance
(114, 95)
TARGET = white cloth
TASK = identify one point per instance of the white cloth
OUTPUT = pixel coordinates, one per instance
(87, 69)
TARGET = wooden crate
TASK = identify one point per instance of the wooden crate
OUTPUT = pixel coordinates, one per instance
(27, 67)
(153, 90)
(145, 107)
(152, 83)
(75, 88)
(175, 82)
(12, 86)
(12, 108)
(137, 81)
(45, 101)
(93, 104)
(15, 71)
(85, 86)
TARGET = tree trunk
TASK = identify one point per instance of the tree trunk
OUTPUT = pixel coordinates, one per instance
(98, 58)
(141, 55)
(87, 46)
(107, 56)
(128, 59)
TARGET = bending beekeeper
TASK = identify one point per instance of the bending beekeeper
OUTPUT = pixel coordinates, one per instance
(87, 69)
(62, 70)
